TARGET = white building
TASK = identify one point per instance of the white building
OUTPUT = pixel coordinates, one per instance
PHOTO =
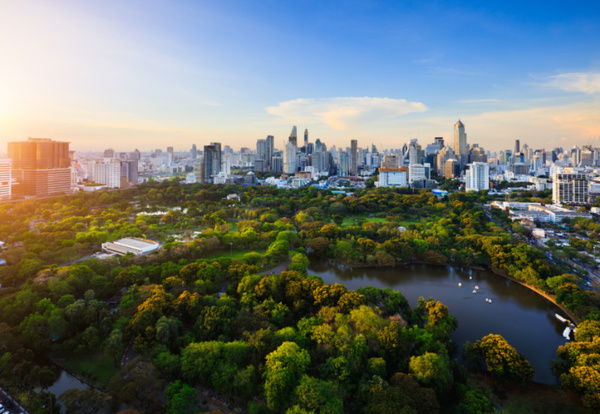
(107, 172)
(289, 158)
(5, 179)
(392, 177)
(477, 177)
(131, 245)
(570, 188)
(418, 172)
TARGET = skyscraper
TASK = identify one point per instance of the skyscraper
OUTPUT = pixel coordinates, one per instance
(40, 167)
(212, 161)
(194, 152)
(270, 149)
(353, 157)
(305, 139)
(517, 146)
(289, 157)
(294, 136)
(460, 144)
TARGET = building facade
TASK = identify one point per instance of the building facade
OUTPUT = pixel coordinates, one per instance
(477, 176)
(5, 179)
(40, 166)
(212, 161)
(570, 188)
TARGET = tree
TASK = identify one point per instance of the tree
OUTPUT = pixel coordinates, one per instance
(85, 401)
(501, 359)
(181, 398)
(431, 369)
(284, 367)
(319, 396)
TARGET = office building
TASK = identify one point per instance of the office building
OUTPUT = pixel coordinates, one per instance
(212, 161)
(477, 176)
(294, 136)
(129, 173)
(353, 157)
(269, 154)
(460, 144)
(451, 169)
(290, 161)
(419, 172)
(305, 140)
(40, 167)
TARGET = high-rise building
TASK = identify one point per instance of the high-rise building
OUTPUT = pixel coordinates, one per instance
(5, 179)
(477, 176)
(109, 153)
(305, 139)
(570, 188)
(460, 144)
(444, 155)
(290, 165)
(194, 152)
(294, 136)
(212, 161)
(415, 153)
(40, 166)
(135, 155)
(451, 168)
(129, 173)
(270, 150)
(353, 157)
(477, 154)
(107, 172)
(418, 172)
(344, 164)
(261, 151)
(390, 161)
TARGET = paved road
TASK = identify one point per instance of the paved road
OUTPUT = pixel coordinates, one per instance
(14, 406)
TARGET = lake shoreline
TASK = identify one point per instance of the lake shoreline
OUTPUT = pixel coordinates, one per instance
(545, 295)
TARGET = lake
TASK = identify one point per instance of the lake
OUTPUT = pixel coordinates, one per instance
(525, 319)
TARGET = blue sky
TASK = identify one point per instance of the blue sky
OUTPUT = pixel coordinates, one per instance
(151, 74)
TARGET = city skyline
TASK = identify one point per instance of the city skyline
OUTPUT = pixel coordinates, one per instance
(139, 75)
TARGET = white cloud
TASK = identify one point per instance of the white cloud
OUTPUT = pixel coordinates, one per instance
(577, 82)
(338, 113)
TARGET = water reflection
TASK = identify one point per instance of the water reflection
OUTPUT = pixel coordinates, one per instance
(525, 319)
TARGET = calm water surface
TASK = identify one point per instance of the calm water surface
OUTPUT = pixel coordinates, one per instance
(525, 319)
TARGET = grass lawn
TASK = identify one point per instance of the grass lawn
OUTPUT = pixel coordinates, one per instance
(236, 254)
(97, 367)
(351, 220)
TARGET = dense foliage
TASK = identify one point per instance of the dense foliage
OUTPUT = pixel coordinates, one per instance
(197, 315)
